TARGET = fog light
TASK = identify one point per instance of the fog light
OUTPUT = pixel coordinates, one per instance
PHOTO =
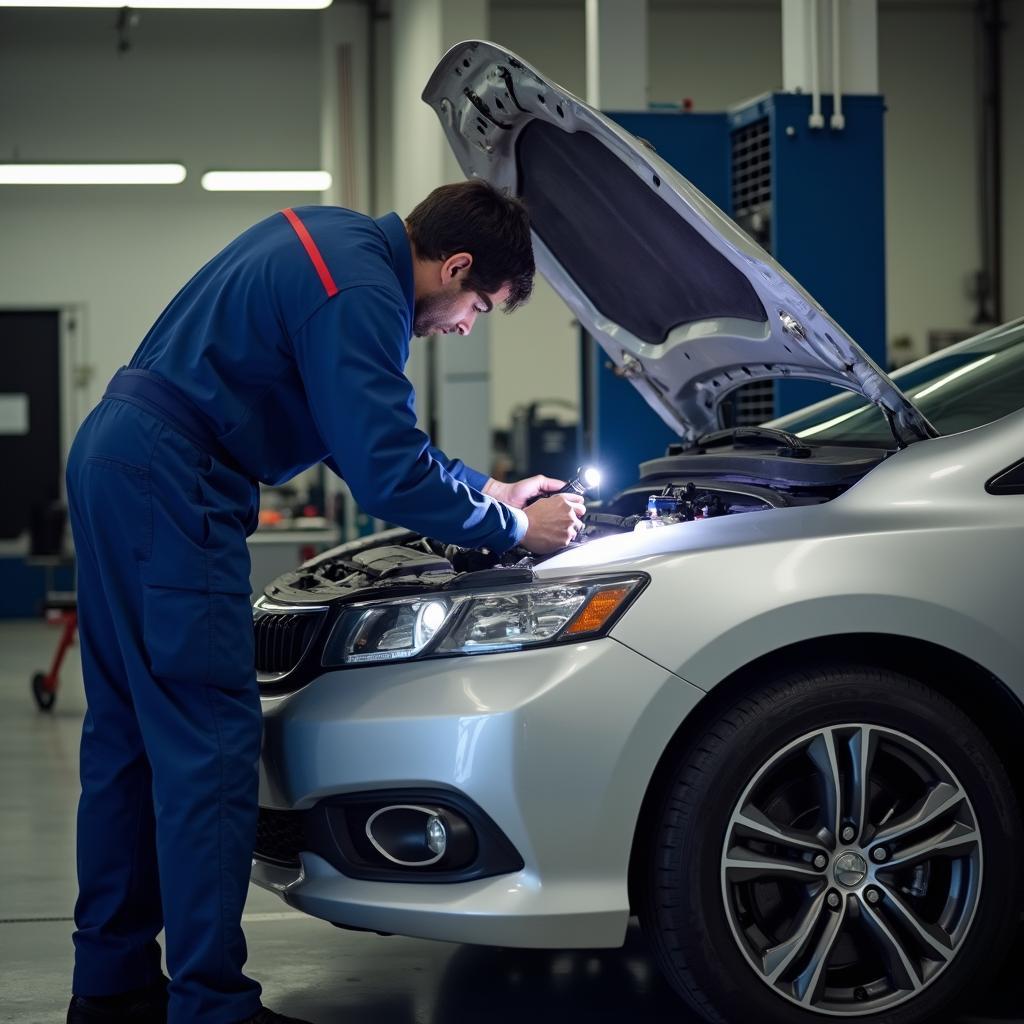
(418, 837)
(437, 836)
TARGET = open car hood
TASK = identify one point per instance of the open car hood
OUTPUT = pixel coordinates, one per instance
(687, 306)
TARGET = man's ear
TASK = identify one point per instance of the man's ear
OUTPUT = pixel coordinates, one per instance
(456, 265)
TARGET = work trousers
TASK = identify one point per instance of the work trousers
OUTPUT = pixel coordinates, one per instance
(171, 739)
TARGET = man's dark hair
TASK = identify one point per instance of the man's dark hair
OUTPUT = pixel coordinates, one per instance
(493, 226)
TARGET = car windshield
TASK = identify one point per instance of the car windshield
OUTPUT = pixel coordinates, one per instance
(974, 382)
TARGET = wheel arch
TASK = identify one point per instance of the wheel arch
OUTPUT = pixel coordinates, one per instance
(984, 698)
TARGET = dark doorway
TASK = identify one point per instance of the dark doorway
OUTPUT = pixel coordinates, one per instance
(30, 458)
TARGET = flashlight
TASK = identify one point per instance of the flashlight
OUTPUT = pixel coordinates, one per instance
(587, 479)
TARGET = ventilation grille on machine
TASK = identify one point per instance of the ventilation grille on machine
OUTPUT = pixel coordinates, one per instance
(753, 403)
(751, 171)
(280, 836)
(751, 209)
(282, 639)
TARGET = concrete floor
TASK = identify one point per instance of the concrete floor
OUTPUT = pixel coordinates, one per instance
(307, 968)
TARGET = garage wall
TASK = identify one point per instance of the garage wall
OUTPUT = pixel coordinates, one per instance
(1013, 161)
(927, 67)
(211, 90)
(695, 51)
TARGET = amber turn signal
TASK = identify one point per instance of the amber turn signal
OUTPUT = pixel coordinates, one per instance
(598, 610)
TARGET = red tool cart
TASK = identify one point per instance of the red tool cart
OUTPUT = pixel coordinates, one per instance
(61, 609)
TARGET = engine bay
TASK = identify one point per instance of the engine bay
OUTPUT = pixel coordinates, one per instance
(401, 561)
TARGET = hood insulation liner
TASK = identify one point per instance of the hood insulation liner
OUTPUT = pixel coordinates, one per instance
(603, 224)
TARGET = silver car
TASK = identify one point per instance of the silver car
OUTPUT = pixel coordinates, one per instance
(770, 701)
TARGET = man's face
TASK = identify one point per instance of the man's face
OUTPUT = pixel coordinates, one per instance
(452, 308)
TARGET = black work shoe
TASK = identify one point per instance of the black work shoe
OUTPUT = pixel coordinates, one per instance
(143, 1006)
(266, 1016)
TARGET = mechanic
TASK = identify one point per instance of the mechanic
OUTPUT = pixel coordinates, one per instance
(288, 348)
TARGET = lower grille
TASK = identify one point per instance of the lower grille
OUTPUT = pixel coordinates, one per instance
(280, 836)
(282, 639)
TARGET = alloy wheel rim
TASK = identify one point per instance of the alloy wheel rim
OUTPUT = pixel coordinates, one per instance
(851, 869)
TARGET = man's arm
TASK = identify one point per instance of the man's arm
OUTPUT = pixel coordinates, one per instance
(351, 355)
(458, 469)
(514, 493)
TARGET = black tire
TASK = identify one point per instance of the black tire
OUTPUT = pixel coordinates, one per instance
(681, 892)
(45, 699)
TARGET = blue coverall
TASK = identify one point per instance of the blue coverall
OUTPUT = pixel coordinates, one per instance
(286, 349)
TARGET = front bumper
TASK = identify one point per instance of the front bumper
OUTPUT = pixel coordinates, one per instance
(557, 746)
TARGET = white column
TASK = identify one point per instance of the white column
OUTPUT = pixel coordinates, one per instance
(421, 32)
(617, 54)
(344, 151)
(344, 107)
(830, 43)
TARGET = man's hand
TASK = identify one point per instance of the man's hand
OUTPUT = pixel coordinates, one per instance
(554, 523)
(518, 493)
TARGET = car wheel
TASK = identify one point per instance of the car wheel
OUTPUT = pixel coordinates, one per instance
(839, 843)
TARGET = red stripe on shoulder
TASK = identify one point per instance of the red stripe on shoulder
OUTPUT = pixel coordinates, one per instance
(312, 251)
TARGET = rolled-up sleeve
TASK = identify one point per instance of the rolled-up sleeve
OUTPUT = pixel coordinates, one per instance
(351, 356)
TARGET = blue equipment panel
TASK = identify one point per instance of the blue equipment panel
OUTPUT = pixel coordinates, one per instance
(827, 221)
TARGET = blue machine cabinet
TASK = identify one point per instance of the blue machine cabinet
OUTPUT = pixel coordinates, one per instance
(825, 213)
(814, 198)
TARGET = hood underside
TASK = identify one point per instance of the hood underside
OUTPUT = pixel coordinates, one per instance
(687, 306)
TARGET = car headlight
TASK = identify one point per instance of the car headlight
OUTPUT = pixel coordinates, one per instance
(478, 622)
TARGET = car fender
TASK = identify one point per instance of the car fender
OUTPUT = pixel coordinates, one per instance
(709, 614)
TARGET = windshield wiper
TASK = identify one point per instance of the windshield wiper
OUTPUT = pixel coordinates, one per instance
(786, 444)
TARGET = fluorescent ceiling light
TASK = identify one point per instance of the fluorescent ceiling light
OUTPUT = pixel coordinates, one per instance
(91, 174)
(208, 5)
(266, 181)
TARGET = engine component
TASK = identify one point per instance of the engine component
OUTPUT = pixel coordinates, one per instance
(471, 559)
(680, 505)
(394, 560)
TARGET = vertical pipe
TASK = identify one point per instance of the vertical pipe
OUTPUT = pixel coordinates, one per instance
(996, 114)
(816, 120)
(990, 297)
(371, 92)
(592, 28)
(837, 121)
